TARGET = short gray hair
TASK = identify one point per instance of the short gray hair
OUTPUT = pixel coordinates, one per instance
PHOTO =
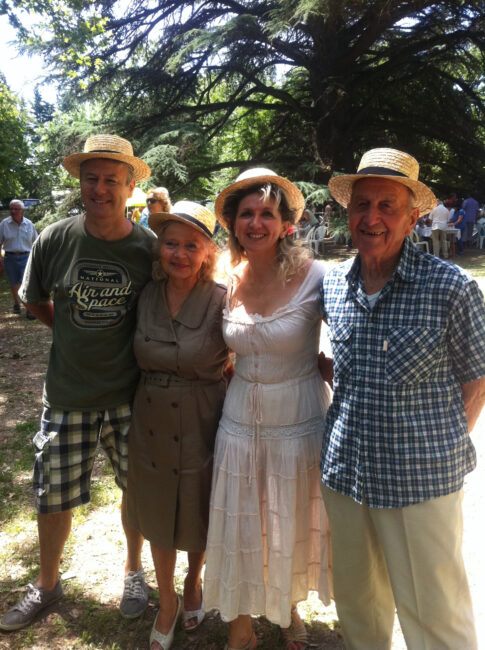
(17, 202)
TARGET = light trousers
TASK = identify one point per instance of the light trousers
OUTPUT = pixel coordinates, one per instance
(440, 244)
(405, 559)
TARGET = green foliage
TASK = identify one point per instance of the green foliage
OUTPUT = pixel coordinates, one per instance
(304, 86)
(14, 149)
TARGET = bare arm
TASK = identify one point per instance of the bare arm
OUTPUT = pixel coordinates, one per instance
(474, 398)
(44, 312)
(325, 367)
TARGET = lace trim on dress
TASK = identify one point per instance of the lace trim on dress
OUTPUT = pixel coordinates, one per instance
(309, 427)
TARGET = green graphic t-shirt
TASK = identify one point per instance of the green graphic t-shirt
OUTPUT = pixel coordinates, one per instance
(95, 285)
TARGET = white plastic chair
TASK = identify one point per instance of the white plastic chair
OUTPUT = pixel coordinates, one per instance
(414, 237)
(481, 235)
(315, 239)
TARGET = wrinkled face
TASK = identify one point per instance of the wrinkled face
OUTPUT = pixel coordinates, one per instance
(380, 217)
(154, 204)
(16, 212)
(104, 188)
(183, 250)
(258, 225)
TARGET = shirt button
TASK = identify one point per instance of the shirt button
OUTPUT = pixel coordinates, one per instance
(174, 405)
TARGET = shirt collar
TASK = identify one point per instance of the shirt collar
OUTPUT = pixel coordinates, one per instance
(194, 309)
(406, 269)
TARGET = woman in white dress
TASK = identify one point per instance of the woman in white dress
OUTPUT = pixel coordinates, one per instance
(268, 533)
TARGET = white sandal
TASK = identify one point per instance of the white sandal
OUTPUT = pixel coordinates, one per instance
(166, 640)
(189, 614)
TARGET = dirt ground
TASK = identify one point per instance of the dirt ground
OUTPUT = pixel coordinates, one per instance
(88, 617)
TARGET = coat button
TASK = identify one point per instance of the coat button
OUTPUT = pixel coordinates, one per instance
(176, 438)
(147, 338)
(149, 400)
(153, 464)
(174, 404)
(175, 471)
(151, 432)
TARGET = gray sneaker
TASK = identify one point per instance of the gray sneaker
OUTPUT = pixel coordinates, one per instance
(135, 595)
(25, 611)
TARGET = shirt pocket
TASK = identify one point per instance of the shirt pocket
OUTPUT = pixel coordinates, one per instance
(413, 353)
(341, 339)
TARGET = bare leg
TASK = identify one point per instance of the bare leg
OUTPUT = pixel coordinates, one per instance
(240, 632)
(54, 530)
(134, 541)
(193, 587)
(164, 562)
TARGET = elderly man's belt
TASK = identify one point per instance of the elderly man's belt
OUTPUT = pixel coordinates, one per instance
(17, 252)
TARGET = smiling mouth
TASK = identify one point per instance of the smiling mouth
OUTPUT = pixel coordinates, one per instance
(254, 236)
(371, 233)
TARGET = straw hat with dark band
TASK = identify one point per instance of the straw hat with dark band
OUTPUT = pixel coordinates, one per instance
(260, 176)
(385, 163)
(107, 146)
(187, 212)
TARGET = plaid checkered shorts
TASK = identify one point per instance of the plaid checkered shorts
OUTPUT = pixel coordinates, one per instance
(65, 448)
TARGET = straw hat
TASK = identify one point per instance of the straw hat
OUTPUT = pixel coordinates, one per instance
(385, 163)
(188, 212)
(260, 176)
(107, 146)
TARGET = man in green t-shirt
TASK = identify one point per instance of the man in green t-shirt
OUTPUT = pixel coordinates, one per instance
(83, 280)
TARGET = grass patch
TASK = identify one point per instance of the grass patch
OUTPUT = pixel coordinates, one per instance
(15, 473)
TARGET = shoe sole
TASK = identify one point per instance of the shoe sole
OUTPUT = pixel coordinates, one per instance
(19, 626)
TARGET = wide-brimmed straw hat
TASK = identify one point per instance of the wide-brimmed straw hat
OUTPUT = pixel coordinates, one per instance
(260, 176)
(385, 163)
(187, 212)
(107, 146)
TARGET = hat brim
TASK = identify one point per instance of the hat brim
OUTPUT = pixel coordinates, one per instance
(157, 219)
(341, 189)
(73, 163)
(295, 198)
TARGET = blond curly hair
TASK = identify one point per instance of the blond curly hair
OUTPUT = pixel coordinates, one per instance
(207, 270)
(161, 194)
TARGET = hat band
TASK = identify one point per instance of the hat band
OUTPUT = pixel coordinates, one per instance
(105, 151)
(383, 171)
(195, 221)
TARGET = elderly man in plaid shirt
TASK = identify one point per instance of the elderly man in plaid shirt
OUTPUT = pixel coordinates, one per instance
(408, 340)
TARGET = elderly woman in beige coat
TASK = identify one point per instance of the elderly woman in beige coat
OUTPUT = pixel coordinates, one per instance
(182, 355)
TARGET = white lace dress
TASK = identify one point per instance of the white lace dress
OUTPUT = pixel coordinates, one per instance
(268, 533)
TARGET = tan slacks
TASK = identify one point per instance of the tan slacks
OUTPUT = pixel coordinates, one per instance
(440, 243)
(408, 559)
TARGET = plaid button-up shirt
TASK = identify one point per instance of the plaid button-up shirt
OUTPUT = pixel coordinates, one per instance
(396, 431)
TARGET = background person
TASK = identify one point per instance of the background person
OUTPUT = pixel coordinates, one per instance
(17, 235)
(268, 536)
(157, 200)
(83, 280)
(457, 220)
(409, 384)
(178, 403)
(439, 223)
(471, 208)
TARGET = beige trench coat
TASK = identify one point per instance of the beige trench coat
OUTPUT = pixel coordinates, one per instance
(177, 408)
